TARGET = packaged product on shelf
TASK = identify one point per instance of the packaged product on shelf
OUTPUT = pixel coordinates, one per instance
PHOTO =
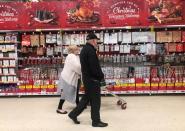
(170, 83)
(113, 38)
(101, 37)
(162, 84)
(1, 38)
(151, 49)
(172, 47)
(179, 78)
(66, 39)
(179, 47)
(121, 49)
(42, 40)
(138, 37)
(51, 38)
(131, 84)
(51, 86)
(160, 49)
(59, 39)
(4, 78)
(81, 39)
(40, 51)
(75, 39)
(107, 49)
(177, 35)
(34, 40)
(164, 36)
(26, 40)
(127, 37)
(6, 63)
(8, 38)
(10, 79)
(111, 48)
(12, 71)
(43, 85)
(36, 86)
(15, 79)
(64, 50)
(120, 36)
(101, 48)
(116, 48)
(126, 49)
(142, 48)
(14, 38)
(177, 59)
(106, 38)
(49, 51)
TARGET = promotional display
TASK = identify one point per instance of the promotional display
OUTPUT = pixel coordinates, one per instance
(90, 14)
(141, 47)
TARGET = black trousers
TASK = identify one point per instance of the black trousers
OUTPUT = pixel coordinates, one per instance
(61, 102)
(91, 95)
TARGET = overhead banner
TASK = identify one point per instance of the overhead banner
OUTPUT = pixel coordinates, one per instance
(69, 14)
(82, 14)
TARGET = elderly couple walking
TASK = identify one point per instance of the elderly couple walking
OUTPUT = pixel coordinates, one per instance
(69, 82)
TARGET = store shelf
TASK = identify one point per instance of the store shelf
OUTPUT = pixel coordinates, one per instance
(7, 67)
(8, 82)
(30, 94)
(9, 42)
(7, 58)
(7, 74)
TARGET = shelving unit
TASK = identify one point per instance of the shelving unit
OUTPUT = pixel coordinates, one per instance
(8, 67)
(35, 76)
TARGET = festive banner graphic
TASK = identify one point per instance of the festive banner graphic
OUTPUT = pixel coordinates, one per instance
(82, 13)
(69, 14)
(165, 11)
(123, 12)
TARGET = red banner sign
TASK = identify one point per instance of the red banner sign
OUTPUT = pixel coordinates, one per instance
(90, 13)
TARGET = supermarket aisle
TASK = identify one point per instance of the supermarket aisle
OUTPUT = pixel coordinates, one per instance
(144, 113)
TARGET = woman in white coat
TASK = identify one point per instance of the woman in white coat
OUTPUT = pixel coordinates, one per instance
(69, 80)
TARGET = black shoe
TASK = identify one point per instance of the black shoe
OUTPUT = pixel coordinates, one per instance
(74, 119)
(61, 112)
(99, 124)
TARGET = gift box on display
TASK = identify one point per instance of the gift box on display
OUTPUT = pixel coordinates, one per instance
(146, 84)
(162, 83)
(36, 86)
(177, 35)
(50, 86)
(139, 84)
(43, 85)
(179, 47)
(154, 86)
(170, 83)
(29, 86)
(131, 84)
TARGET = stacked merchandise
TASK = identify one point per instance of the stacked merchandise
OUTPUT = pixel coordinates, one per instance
(136, 61)
(8, 56)
(40, 62)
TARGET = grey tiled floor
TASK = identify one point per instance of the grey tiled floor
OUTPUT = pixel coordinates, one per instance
(144, 113)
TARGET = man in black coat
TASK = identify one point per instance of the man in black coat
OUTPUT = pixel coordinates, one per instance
(92, 75)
